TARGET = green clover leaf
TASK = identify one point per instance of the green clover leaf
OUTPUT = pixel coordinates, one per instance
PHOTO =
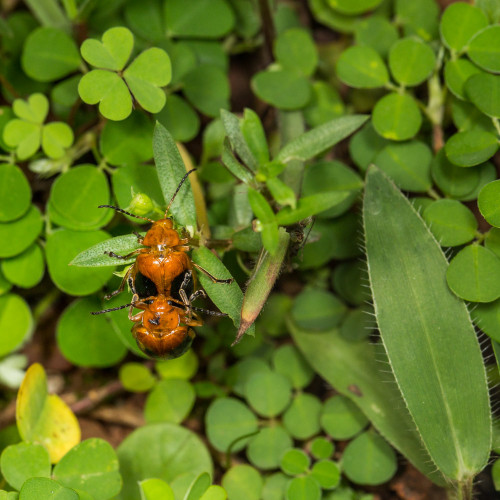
(27, 132)
(112, 53)
(114, 89)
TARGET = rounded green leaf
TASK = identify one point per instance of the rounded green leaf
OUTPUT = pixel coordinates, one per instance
(21, 461)
(275, 486)
(154, 451)
(92, 467)
(454, 181)
(268, 393)
(226, 421)
(5, 285)
(341, 418)
(26, 269)
(303, 488)
(295, 462)
(16, 322)
(61, 248)
(204, 19)
(184, 367)
(288, 361)
(239, 374)
(207, 89)
(329, 17)
(466, 116)
(32, 110)
(408, 164)
(452, 223)
(327, 473)
(88, 340)
(315, 309)
(351, 7)
(282, 88)
(109, 90)
(348, 282)
(368, 459)
(65, 93)
(483, 89)
(153, 489)
(48, 489)
(179, 118)
(295, 50)
(487, 317)
(15, 193)
(418, 18)
(484, 49)
(301, 419)
(411, 61)
(56, 138)
(397, 117)
(362, 67)
(49, 54)
(459, 23)
(327, 176)
(488, 203)
(242, 481)
(471, 147)
(358, 324)
(16, 236)
(365, 145)
(145, 18)
(334, 239)
(171, 400)
(321, 448)
(376, 32)
(128, 142)
(136, 377)
(75, 197)
(456, 73)
(113, 52)
(487, 173)
(266, 448)
(148, 71)
(492, 240)
(24, 136)
(325, 104)
(474, 274)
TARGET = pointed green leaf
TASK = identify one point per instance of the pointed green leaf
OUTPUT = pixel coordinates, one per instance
(171, 170)
(353, 369)
(320, 138)
(439, 350)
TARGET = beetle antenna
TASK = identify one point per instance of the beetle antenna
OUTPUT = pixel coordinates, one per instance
(177, 190)
(95, 313)
(125, 212)
(207, 311)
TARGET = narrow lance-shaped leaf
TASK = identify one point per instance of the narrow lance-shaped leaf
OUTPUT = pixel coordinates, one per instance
(310, 205)
(234, 166)
(232, 126)
(427, 332)
(354, 369)
(171, 170)
(228, 298)
(320, 138)
(255, 137)
(95, 256)
(261, 283)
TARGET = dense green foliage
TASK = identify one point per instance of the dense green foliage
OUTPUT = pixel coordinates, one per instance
(110, 103)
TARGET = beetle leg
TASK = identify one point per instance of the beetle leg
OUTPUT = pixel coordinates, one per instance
(129, 276)
(211, 276)
(198, 293)
(123, 257)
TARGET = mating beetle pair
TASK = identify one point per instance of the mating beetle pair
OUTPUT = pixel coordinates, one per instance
(162, 283)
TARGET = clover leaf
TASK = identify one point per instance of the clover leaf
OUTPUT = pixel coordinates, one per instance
(27, 132)
(114, 88)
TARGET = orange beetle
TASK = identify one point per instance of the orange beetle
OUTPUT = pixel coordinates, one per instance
(164, 257)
